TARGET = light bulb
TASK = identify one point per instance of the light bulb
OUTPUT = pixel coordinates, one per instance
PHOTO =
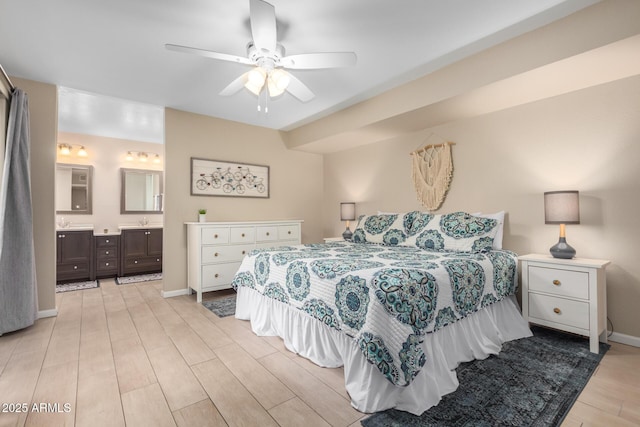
(82, 152)
(142, 157)
(257, 76)
(129, 156)
(65, 149)
(156, 159)
(274, 90)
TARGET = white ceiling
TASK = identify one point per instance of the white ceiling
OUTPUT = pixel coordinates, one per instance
(116, 48)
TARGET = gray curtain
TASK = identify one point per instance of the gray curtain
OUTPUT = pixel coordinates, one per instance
(18, 291)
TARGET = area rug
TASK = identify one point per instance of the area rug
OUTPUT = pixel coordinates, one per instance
(222, 307)
(532, 382)
(138, 278)
(77, 286)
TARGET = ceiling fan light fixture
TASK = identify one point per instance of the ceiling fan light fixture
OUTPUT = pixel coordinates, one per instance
(274, 90)
(280, 78)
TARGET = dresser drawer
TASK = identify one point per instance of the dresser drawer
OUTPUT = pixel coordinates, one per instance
(219, 254)
(106, 241)
(218, 274)
(569, 283)
(107, 252)
(215, 235)
(559, 310)
(267, 234)
(288, 232)
(242, 235)
(107, 265)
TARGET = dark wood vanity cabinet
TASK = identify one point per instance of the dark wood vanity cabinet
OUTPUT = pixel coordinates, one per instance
(107, 249)
(74, 256)
(141, 251)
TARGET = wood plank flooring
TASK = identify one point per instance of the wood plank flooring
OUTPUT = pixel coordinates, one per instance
(123, 355)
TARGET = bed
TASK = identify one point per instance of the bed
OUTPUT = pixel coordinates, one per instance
(412, 296)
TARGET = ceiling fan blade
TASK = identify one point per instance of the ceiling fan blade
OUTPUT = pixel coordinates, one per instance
(208, 53)
(263, 25)
(299, 89)
(308, 61)
(235, 86)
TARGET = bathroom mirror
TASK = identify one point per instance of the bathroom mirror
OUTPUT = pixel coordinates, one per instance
(73, 189)
(141, 191)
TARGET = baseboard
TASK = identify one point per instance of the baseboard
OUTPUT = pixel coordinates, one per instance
(47, 313)
(625, 339)
(171, 294)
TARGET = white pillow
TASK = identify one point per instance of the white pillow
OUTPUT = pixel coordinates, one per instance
(498, 216)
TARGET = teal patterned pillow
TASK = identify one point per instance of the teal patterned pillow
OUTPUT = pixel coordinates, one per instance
(457, 231)
(385, 229)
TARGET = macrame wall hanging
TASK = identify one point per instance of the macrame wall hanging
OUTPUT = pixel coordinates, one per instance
(432, 173)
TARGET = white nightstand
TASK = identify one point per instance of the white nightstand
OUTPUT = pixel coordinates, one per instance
(333, 239)
(566, 294)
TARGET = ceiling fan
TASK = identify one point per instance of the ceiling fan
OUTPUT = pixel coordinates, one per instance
(269, 60)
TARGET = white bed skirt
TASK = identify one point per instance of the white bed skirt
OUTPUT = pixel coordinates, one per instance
(475, 337)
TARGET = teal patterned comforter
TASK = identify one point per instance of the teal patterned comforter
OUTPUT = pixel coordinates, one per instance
(386, 298)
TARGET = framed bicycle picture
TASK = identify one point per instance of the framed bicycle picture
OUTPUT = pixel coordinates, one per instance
(230, 179)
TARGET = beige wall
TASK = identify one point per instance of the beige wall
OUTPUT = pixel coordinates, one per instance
(107, 156)
(295, 192)
(43, 108)
(586, 140)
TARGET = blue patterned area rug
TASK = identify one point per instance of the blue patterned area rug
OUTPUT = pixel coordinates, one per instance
(77, 286)
(222, 307)
(138, 278)
(532, 382)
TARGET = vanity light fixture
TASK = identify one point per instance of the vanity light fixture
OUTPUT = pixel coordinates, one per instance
(66, 149)
(142, 156)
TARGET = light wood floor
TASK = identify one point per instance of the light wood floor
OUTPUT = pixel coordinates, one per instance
(121, 355)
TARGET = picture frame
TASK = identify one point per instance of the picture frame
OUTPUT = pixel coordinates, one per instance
(228, 179)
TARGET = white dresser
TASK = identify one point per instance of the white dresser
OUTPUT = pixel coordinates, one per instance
(566, 294)
(216, 249)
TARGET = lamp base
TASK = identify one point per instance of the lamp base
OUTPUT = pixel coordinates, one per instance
(347, 235)
(562, 249)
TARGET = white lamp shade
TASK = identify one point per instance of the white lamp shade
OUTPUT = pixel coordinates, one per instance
(347, 211)
(561, 207)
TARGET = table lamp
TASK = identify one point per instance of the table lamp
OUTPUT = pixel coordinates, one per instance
(347, 213)
(562, 207)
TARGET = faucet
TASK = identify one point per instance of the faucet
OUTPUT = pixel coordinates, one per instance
(143, 221)
(63, 223)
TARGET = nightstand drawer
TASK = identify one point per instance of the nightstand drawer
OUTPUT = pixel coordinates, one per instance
(559, 310)
(568, 283)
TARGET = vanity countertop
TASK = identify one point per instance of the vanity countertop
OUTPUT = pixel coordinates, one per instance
(135, 226)
(108, 233)
(75, 227)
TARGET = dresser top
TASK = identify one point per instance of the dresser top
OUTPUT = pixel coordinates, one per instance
(227, 223)
(579, 262)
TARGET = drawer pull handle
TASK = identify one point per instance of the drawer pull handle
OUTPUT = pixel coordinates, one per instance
(106, 263)
(216, 275)
(242, 234)
(107, 240)
(244, 252)
(267, 233)
(135, 262)
(106, 252)
(216, 254)
(75, 267)
(157, 259)
(215, 236)
(556, 310)
(556, 282)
